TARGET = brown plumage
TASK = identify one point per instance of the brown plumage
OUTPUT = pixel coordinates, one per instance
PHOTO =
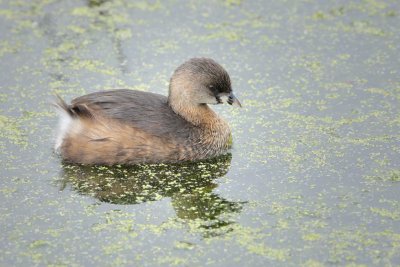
(131, 127)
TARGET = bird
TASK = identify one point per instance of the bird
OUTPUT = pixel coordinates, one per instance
(129, 127)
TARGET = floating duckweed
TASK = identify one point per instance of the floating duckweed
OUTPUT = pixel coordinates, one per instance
(172, 261)
(114, 247)
(11, 129)
(145, 5)
(92, 65)
(232, 2)
(249, 239)
(7, 13)
(313, 174)
(391, 13)
(312, 237)
(7, 192)
(82, 11)
(184, 245)
(6, 48)
(123, 34)
(76, 29)
(362, 27)
(313, 263)
(394, 215)
(379, 91)
(38, 244)
(229, 35)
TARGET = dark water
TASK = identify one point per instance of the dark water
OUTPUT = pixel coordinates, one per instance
(314, 176)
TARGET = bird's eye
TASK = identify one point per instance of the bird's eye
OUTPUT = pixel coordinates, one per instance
(212, 88)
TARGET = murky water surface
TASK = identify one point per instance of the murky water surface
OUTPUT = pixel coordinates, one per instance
(314, 176)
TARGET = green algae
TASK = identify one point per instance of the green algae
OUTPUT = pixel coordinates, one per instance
(184, 245)
(145, 5)
(362, 27)
(312, 237)
(390, 176)
(93, 66)
(162, 47)
(314, 170)
(7, 48)
(394, 215)
(313, 263)
(8, 192)
(38, 244)
(11, 130)
(189, 186)
(229, 35)
(232, 2)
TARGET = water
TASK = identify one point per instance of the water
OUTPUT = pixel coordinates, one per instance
(314, 175)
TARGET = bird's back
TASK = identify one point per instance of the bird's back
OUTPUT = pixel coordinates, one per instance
(146, 111)
(124, 127)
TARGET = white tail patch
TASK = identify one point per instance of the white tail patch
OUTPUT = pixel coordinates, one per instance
(64, 124)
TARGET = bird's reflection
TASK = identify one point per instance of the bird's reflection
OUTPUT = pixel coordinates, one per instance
(189, 185)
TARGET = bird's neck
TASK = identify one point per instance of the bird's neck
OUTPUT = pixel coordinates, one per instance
(215, 134)
(181, 100)
(198, 114)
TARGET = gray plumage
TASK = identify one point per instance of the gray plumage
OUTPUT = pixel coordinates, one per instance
(149, 112)
(129, 127)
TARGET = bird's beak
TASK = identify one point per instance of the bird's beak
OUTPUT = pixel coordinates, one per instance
(233, 101)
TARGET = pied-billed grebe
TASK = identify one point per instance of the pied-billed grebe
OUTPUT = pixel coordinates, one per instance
(131, 127)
